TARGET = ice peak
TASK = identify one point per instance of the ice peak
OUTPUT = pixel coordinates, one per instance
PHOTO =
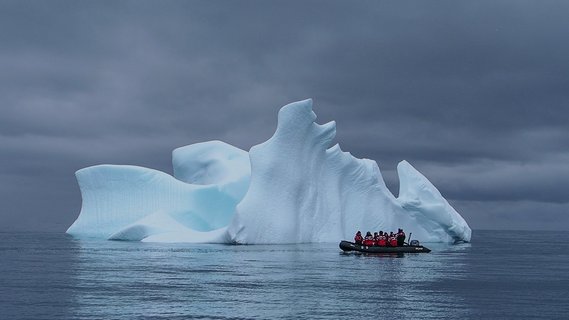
(424, 201)
(296, 114)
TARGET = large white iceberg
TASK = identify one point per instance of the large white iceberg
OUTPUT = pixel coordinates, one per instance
(293, 188)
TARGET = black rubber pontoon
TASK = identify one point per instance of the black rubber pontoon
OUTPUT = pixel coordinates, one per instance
(350, 246)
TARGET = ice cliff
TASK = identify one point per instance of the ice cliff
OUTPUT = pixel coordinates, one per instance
(293, 188)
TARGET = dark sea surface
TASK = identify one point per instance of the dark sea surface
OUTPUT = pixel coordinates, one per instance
(500, 275)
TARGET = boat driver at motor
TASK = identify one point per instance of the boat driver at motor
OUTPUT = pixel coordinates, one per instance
(400, 238)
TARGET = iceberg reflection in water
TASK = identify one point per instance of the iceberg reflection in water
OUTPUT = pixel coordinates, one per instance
(53, 276)
(264, 281)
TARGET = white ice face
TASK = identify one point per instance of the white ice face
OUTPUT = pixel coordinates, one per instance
(293, 188)
(135, 203)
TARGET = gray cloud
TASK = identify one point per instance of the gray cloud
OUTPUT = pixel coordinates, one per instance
(473, 94)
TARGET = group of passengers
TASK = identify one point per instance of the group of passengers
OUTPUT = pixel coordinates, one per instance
(381, 239)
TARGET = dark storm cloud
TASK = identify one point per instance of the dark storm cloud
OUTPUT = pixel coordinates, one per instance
(473, 94)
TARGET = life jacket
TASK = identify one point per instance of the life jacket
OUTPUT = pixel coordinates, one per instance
(376, 241)
(358, 239)
(382, 242)
(393, 242)
(368, 241)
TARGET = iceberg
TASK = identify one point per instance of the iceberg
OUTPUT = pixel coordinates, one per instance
(295, 187)
(135, 203)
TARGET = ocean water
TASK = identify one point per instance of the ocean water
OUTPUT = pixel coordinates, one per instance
(500, 275)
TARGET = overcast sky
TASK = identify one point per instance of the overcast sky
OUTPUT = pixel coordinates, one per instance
(474, 94)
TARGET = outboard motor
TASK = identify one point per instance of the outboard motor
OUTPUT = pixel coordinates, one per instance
(414, 243)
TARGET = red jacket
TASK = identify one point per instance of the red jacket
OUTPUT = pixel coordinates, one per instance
(358, 239)
(393, 242)
(368, 241)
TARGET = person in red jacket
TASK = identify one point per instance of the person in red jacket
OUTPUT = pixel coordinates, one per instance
(368, 240)
(358, 239)
(382, 239)
(387, 237)
(392, 240)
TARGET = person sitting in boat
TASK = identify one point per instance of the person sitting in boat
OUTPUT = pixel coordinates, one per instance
(387, 238)
(375, 238)
(382, 239)
(368, 241)
(358, 239)
(392, 240)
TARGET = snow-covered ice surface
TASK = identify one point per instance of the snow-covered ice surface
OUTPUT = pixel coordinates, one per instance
(293, 188)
